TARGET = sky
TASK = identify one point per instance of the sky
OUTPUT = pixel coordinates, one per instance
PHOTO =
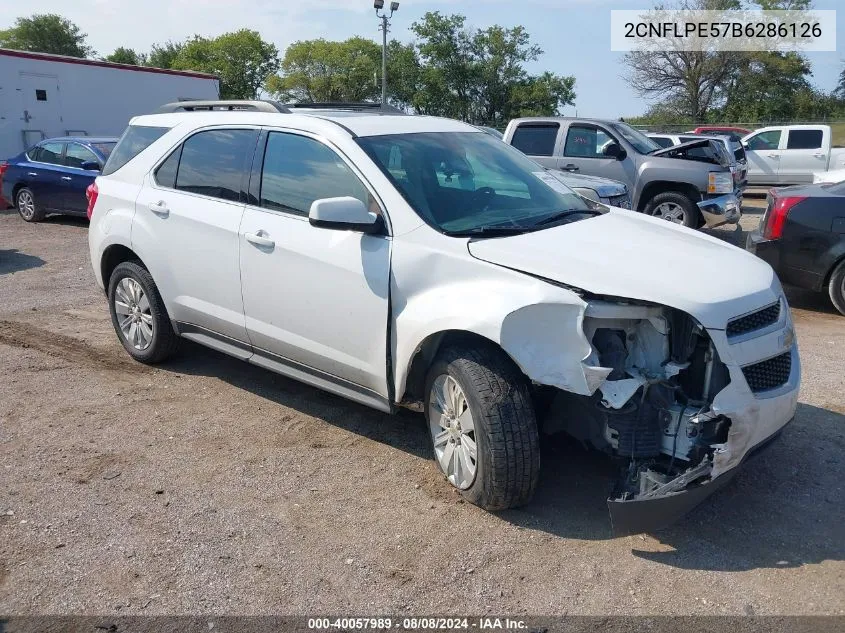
(574, 34)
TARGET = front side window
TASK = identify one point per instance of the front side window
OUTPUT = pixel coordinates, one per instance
(50, 153)
(77, 154)
(135, 140)
(804, 139)
(536, 139)
(586, 141)
(212, 163)
(470, 182)
(765, 140)
(299, 170)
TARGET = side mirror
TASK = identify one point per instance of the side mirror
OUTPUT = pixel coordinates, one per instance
(90, 165)
(614, 150)
(344, 214)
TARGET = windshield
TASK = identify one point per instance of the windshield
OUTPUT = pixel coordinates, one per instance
(641, 143)
(470, 182)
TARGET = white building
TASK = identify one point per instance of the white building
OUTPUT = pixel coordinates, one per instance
(43, 96)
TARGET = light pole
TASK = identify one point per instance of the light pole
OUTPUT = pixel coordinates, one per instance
(385, 28)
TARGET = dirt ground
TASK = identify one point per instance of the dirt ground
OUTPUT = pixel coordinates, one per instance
(210, 486)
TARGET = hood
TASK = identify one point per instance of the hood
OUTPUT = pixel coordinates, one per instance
(677, 151)
(626, 254)
(605, 187)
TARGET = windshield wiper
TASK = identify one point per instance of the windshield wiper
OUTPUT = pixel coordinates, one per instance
(565, 214)
(490, 231)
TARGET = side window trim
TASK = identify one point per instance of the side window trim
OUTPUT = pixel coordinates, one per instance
(245, 171)
(258, 169)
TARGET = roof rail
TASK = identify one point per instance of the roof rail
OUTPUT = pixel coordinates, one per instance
(256, 105)
(363, 106)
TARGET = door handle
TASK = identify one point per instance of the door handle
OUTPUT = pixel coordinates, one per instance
(32, 173)
(262, 238)
(68, 178)
(159, 208)
(570, 167)
(819, 155)
(772, 155)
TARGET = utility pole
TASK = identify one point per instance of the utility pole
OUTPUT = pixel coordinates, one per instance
(385, 28)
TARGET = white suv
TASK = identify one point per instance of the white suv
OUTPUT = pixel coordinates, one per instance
(416, 261)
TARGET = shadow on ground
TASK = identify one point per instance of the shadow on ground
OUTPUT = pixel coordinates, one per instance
(13, 261)
(781, 510)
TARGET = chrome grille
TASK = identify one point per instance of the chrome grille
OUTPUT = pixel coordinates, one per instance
(754, 321)
(768, 374)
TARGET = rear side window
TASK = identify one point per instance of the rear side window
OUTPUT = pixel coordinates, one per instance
(804, 139)
(212, 163)
(536, 139)
(135, 140)
(299, 170)
(49, 153)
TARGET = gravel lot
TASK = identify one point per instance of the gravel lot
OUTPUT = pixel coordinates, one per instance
(209, 486)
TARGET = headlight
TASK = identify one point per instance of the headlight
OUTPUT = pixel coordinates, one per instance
(720, 182)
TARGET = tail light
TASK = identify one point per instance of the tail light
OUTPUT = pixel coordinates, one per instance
(91, 193)
(3, 167)
(776, 215)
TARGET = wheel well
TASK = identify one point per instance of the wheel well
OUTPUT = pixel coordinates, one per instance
(654, 188)
(114, 255)
(830, 272)
(15, 190)
(427, 351)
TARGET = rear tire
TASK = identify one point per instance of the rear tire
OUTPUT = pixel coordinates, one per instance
(27, 207)
(836, 287)
(139, 316)
(491, 418)
(675, 207)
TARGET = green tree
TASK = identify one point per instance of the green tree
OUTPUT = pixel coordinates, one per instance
(322, 70)
(123, 55)
(242, 61)
(46, 33)
(764, 87)
(164, 55)
(544, 95)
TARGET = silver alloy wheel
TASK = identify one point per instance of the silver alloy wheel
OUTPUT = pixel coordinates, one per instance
(134, 315)
(670, 211)
(26, 205)
(453, 431)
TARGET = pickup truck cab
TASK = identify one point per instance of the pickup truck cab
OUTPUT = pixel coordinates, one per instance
(668, 183)
(790, 154)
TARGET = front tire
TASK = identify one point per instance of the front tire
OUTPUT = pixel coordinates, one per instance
(139, 316)
(674, 207)
(483, 427)
(27, 207)
(836, 287)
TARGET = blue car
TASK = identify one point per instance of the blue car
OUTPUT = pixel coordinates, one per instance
(52, 177)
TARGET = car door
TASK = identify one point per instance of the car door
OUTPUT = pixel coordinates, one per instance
(185, 229)
(42, 174)
(538, 139)
(583, 152)
(315, 299)
(762, 151)
(74, 180)
(802, 156)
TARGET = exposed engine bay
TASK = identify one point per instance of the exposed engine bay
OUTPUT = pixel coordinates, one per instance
(652, 412)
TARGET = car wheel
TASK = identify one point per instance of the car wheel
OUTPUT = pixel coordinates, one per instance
(138, 314)
(674, 207)
(836, 287)
(482, 425)
(28, 208)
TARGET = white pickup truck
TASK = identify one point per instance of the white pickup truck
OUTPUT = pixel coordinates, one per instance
(790, 154)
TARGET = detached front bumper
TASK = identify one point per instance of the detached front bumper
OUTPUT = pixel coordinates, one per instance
(726, 209)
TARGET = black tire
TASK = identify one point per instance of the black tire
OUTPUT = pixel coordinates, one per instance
(164, 340)
(692, 216)
(836, 287)
(37, 213)
(506, 434)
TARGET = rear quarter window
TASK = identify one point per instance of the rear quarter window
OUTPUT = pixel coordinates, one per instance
(135, 140)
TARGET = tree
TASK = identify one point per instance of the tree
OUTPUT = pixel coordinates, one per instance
(123, 55)
(321, 70)
(544, 95)
(839, 91)
(164, 55)
(242, 61)
(46, 33)
(764, 87)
